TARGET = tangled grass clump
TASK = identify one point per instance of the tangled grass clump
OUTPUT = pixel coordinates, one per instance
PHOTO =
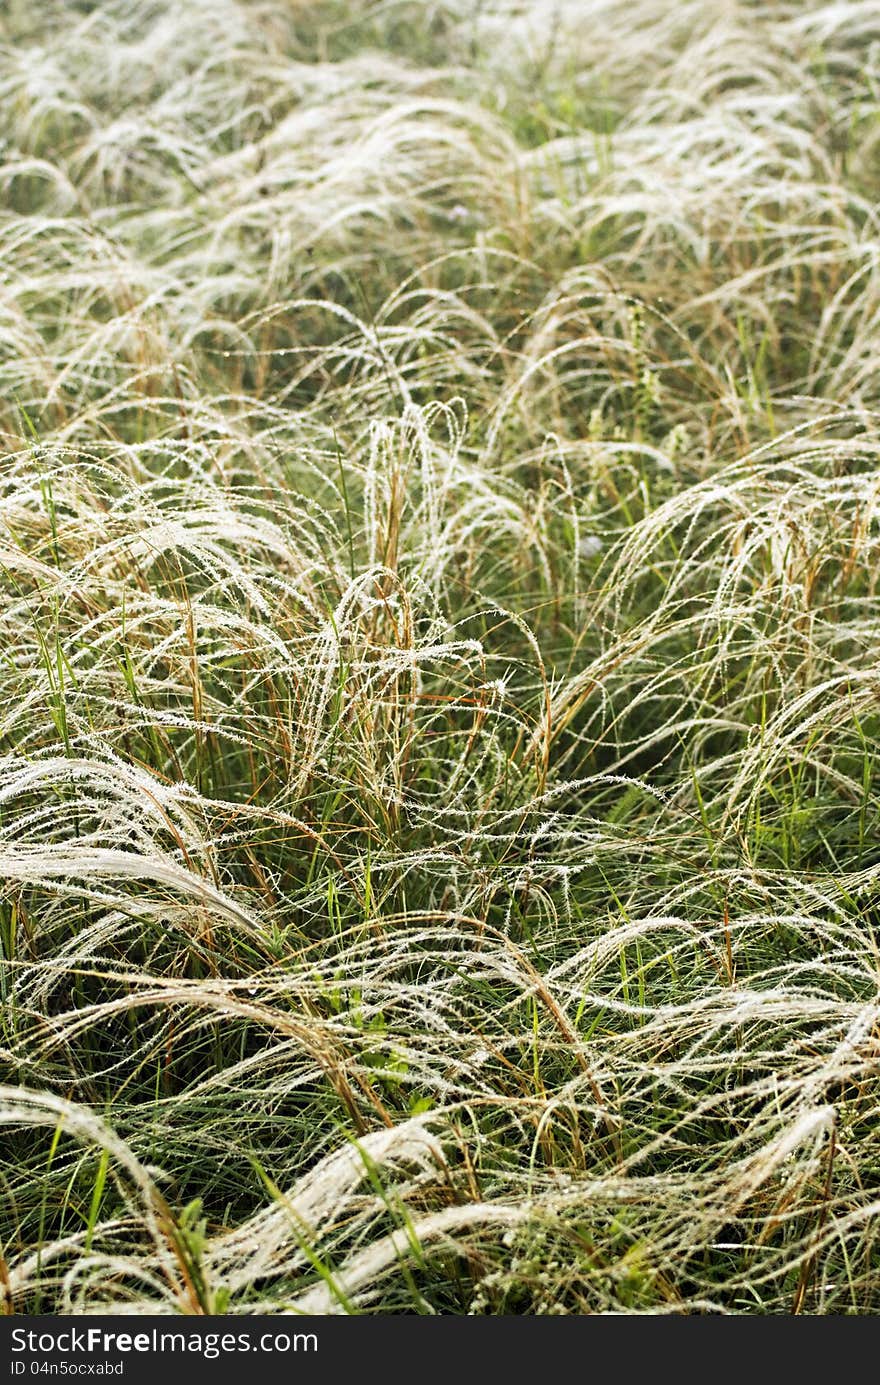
(440, 692)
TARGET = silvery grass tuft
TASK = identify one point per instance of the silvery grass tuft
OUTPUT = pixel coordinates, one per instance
(439, 544)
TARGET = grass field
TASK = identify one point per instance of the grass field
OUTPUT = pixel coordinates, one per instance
(440, 656)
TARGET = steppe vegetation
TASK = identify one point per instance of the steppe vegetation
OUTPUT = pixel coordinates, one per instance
(440, 656)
